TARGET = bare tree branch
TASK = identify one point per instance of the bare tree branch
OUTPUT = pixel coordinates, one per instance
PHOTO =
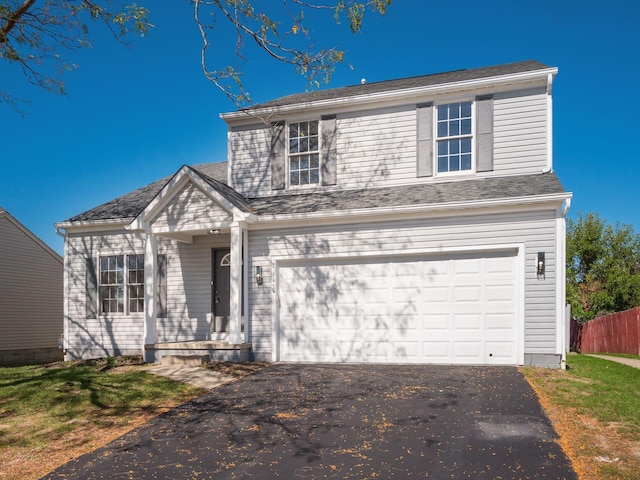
(281, 44)
(36, 35)
(13, 19)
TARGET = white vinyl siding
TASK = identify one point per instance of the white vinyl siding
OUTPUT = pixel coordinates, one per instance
(520, 132)
(105, 335)
(377, 148)
(188, 279)
(31, 298)
(536, 230)
(188, 289)
(188, 210)
(249, 161)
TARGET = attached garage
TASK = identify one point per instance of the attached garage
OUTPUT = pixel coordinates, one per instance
(453, 309)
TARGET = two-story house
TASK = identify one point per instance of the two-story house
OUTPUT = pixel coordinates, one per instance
(407, 221)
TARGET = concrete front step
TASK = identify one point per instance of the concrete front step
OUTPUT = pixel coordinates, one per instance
(190, 360)
(213, 350)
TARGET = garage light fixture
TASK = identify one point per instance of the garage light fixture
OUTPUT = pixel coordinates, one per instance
(258, 275)
(541, 264)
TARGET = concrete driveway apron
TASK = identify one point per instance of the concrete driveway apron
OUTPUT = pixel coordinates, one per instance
(344, 421)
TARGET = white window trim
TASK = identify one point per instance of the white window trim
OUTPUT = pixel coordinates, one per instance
(306, 186)
(126, 284)
(458, 173)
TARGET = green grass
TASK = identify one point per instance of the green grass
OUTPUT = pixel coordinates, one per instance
(40, 405)
(598, 403)
(604, 390)
(622, 355)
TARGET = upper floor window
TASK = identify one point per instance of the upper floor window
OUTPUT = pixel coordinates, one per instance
(454, 137)
(304, 153)
(122, 284)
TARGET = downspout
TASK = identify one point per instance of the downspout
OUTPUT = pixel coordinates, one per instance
(549, 167)
(246, 281)
(562, 280)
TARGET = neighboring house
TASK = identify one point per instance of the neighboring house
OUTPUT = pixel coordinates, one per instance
(407, 221)
(30, 296)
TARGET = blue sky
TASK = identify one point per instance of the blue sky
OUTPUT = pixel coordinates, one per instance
(134, 115)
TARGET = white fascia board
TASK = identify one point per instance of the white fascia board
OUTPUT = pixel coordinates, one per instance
(93, 225)
(391, 95)
(365, 214)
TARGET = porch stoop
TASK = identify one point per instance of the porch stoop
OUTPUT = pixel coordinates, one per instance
(196, 351)
(186, 360)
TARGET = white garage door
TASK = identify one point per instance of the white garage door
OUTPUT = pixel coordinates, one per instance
(460, 310)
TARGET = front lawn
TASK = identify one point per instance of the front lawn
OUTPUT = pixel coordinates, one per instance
(49, 415)
(595, 407)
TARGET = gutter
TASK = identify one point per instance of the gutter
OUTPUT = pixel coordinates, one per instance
(362, 213)
(93, 224)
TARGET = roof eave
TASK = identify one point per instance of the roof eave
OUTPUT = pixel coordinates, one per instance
(83, 225)
(390, 95)
(362, 213)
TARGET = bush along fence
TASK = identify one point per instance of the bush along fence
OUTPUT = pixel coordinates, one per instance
(613, 333)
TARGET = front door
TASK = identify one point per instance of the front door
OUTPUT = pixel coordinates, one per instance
(220, 271)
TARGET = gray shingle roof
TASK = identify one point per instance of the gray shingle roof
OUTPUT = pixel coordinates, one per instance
(478, 189)
(229, 193)
(130, 205)
(404, 83)
(215, 174)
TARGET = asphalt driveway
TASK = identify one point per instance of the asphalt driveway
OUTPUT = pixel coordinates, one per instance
(344, 421)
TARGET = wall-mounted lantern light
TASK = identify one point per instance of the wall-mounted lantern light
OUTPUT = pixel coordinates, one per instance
(258, 275)
(541, 263)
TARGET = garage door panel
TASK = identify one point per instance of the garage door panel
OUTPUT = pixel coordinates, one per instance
(470, 350)
(467, 267)
(432, 294)
(407, 351)
(467, 294)
(501, 293)
(468, 322)
(435, 321)
(500, 321)
(436, 352)
(500, 352)
(425, 310)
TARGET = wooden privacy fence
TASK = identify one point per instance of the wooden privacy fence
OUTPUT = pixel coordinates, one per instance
(613, 333)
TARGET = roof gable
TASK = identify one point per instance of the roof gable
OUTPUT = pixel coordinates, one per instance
(130, 205)
(11, 220)
(190, 182)
(187, 209)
